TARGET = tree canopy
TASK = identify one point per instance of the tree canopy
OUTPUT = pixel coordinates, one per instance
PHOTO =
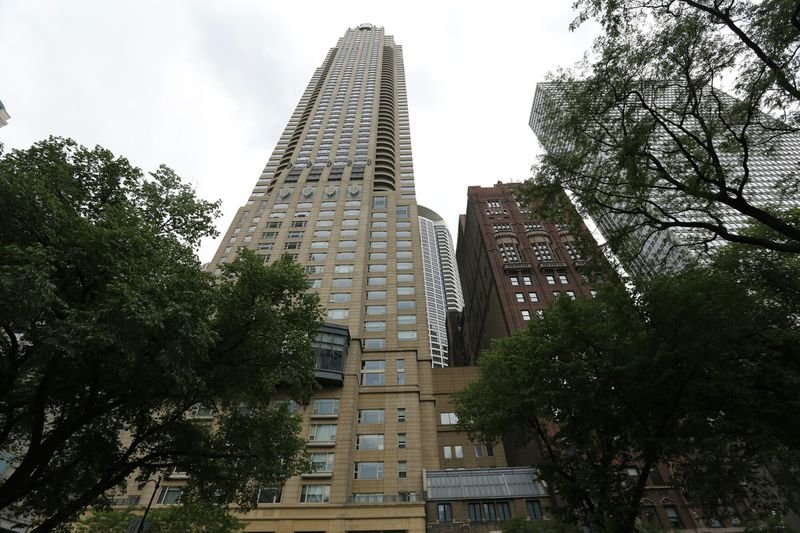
(111, 332)
(185, 518)
(698, 372)
(685, 117)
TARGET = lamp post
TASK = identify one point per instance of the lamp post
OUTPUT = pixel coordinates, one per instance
(140, 527)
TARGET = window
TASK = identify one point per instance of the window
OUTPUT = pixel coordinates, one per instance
(374, 344)
(317, 256)
(509, 253)
(562, 278)
(368, 470)
(345, 256)
(375, 325)
(478, 450)
(325, 407)
(489, 451)
(373, 373)
(489, 511)
(514, 280)
(379, 202)
(315, 493)
(376, 310)
(533, 297)
(322, 462)
(406, 319)
(170, 495)
(401, 371)
(401, 441)
(444, 512)
(405, 291)
(342, 283)
(275, 224)
(406, 335)
(551, 280)
(343, 269)
(340, 297)
(520, 297)
(295, 224)
(401, 414)
(376, 281)
(534, 509)
(405, 278)
(526, 280)
(458, 451)
(526, 315)
(322, 433)
(570, 294)
(403, 211)
(377, 268)
(447, 452)
(404, 266)
(402, 469)
(448, 419)
(370, 416)
(269, 495)
(296, 234)
(338, 314)
(369, 442)
(672, 515)
(650, 515)
(347, 244)
(377, 256)
(291, 246)
(201, 411)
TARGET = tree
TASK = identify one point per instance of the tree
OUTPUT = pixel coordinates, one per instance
(111, 332)
(685, 118)
(185, 518)
(697, 372)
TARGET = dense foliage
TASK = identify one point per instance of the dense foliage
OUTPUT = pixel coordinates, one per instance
(185, 518)
(684, 116)
(111, 332)
(700, 372)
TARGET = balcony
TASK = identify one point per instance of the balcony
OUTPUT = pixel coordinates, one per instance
(330, 347)
(514, 267)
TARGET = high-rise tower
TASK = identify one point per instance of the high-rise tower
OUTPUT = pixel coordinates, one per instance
(338, 195)
(442, 283)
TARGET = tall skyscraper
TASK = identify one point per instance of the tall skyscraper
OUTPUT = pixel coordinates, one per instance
(717, 122)
(442, 283)
(338, 195)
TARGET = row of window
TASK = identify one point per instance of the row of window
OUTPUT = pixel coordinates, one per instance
(344, 256)
(488, 511)
(528, 279)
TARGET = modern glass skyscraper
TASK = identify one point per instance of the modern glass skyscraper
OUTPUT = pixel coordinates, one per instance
(338, 195)
(695, 139)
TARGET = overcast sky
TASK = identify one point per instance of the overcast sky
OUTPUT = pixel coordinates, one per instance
(207, 87)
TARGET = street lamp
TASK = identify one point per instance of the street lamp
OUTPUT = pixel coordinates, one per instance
(139, 528)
